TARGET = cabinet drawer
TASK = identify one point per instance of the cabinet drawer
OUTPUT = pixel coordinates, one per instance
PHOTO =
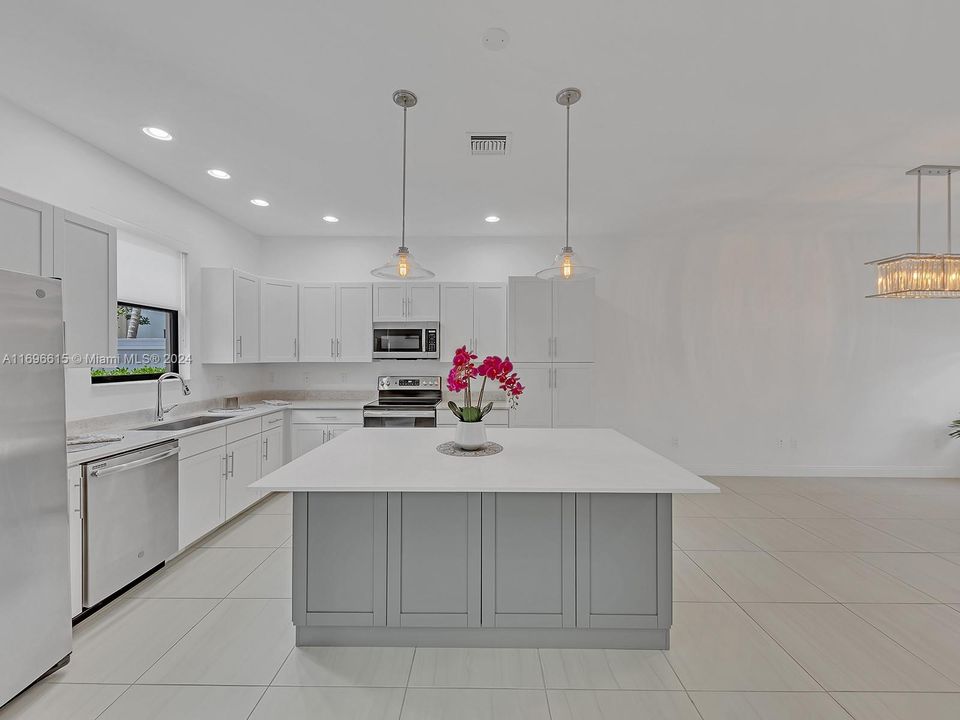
(327, 416)
(201, 442)
(271, 421)
(495, 418)
(242, 429)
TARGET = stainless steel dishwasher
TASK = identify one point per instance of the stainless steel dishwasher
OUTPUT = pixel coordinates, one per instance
(130, 518)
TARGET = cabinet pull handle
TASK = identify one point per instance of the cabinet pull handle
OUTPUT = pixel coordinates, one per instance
(294, 347)
(240, 346)
(232, 460)
(338, 347)
(266, 448)
(223, 467)
(275, 420)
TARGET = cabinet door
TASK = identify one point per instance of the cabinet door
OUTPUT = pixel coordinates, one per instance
(529, 331)
(85, 258)
(529, 560)
(318, 322)
(243, 468)
(573, 303)
(26, 234)
(306, 437)
(433, 563)
(346, 544)
(423, 302)
(338, 430)
(490, 318)
(271, 443)
(200, 494)
(75, 490)
(456, 318)
(278, 320)
(355, 323)
(389, 302)
(574, 399)
(535, 406)
(246, 317)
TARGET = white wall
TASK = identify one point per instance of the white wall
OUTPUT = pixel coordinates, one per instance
(754, 351)
(41, 161)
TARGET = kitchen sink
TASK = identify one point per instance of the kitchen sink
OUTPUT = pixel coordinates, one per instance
(185, 423)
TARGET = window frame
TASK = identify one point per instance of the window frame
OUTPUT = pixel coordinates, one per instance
(173, 343)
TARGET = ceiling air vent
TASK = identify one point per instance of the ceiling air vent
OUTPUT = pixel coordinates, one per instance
(490, 143)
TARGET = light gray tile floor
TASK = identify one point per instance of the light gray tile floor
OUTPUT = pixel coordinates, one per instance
(795, 599)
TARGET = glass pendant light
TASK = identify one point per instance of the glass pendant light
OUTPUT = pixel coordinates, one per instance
(567, 265)
(922, 275)
(402, 265)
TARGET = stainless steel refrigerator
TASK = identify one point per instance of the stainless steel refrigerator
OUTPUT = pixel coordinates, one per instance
(35, 627)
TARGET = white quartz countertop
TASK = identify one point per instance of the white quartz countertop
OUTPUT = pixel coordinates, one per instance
(141, 438)
(589, 460)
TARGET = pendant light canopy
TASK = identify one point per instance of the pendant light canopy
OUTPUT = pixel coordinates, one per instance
(922, 275)
(402, 265)
(567, 265)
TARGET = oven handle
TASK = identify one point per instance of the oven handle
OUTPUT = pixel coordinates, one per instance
(136, 463)
(400, 414)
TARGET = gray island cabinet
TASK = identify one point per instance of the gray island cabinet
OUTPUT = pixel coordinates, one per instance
(562, 540)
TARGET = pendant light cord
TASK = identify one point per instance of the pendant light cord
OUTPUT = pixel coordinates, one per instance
(567, 220)
(403, 185)
(949, 214)
(919, 175)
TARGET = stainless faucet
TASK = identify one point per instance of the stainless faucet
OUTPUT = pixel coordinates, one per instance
(160, 408)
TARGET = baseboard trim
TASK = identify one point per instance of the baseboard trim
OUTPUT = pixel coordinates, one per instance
(891, 471)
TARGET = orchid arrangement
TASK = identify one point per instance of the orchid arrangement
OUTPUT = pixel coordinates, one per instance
(491, 368)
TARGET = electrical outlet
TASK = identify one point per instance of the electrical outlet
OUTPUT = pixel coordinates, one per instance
(306, 379)
(343, 378)
(675, 441)
(780, 443)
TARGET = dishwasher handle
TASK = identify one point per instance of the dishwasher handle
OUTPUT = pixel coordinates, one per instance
(135, 463)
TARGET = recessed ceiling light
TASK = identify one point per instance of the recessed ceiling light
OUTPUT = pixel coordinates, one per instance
(492, 218)
(157, 133)
(218, 174)
(260, 202)
(330, 218)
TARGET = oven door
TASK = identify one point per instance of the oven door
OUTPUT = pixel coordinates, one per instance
(380, 418)
(404, 340)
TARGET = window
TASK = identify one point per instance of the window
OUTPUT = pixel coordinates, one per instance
(147, 345)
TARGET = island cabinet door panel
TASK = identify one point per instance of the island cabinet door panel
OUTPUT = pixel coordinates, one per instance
(529, 560)
(434, 559)
(621, 543)
(346, 558)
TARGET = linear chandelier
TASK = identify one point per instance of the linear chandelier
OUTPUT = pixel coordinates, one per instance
(918, 274)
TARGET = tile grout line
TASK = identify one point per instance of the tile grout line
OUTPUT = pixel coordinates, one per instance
(543, 679)
(270, 684)
(406, 686)
(101, 713)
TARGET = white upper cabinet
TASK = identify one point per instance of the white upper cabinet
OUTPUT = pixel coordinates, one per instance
(389, 302)
(246, 299)
(573, 305)
(456, 318)
(354, 322)
(490, 318)
(406, 301)
(318, 322)
(279, 325)
(26, 234)
(475, 315)
(85, 259)
(551, 320)
(529, 326)
(231, 315)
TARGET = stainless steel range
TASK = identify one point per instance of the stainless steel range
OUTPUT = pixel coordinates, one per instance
(404, 401)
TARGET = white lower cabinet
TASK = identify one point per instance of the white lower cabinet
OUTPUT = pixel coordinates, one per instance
(312, 428)
(201, 491)
(271, 446)
(75, 489)
(243, 468)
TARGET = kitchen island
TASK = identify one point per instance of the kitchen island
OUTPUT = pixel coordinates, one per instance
(564, 539)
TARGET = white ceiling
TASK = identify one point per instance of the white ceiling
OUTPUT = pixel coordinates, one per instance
(694, 111)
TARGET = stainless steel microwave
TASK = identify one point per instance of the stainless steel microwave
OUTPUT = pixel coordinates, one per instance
(406, 340)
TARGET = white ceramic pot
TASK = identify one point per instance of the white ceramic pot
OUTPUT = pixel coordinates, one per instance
(470, 435)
